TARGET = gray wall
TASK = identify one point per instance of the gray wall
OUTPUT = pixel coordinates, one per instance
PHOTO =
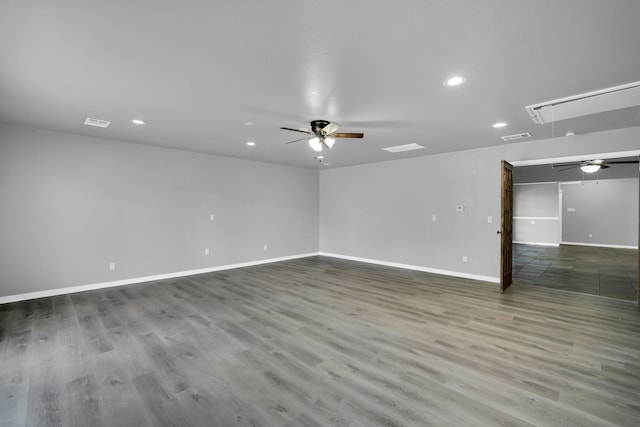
(72, 204)
(536, 213)
(607, 210)
(382, 211)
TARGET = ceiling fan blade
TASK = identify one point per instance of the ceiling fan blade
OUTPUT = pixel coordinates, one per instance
(604, 166)
(347, 135)
(561, 165)
(621, 162)
(296, 140)
(298, 130)
(570, 167)
(330, 128)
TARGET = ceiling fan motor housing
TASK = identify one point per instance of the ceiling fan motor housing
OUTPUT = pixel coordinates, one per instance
(317, 126)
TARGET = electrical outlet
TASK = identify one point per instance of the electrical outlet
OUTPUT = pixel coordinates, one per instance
(465, 258)
(590, 235)
(266, 247)
(112, 266)
(206, 251)
(459, 208)
(490, 219)
(212, 217)
(434, 218)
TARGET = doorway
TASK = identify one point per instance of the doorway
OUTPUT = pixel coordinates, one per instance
(581, 268)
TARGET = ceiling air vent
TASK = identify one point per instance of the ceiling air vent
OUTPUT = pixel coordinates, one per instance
(516, 136)
(96, 122)
(406, 147)
(599, 101)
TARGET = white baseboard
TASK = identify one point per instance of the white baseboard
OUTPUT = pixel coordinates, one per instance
(555, 245)
(123, 282)
(491, 279)
(598, 245)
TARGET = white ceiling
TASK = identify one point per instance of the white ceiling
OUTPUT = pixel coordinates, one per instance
(197, 70)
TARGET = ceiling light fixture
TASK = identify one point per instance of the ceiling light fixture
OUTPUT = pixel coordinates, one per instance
(138, 122)
(319, 157)
(454, 81)
(315, 144)
(499, 125)
(329, 142)
(590, 168)
(251, 143)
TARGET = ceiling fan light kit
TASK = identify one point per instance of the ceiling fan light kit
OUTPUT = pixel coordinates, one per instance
(315, 144)
(323, 134)
(590, 168)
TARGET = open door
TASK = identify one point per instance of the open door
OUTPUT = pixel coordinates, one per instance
(506, 227)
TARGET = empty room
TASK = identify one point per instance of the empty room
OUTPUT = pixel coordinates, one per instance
(319, 213)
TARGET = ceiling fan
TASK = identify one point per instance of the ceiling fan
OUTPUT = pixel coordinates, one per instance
(323, 134)
(591, 166)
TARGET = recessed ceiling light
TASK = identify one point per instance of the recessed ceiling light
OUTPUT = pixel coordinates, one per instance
(251, 143)
(454, 81)
(248, 123)
(138, 122)
(499, 125)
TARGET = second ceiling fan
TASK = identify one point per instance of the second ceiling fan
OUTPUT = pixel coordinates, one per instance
(590, 166)
(323, 134)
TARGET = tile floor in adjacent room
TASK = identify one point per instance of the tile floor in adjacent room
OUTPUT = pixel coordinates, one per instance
(609, 272)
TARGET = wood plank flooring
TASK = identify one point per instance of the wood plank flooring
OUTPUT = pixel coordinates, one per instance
(609, 272)
(320, 342)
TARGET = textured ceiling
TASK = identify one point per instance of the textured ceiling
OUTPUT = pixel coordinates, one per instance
(196, 71)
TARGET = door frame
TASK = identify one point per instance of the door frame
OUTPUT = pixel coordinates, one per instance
(566, 159)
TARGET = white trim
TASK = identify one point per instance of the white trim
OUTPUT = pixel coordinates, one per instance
(123, 282)
(555, 245)
(597, 245)
(579, 158)
(554, 218)
(491, 279)
(535, 183)
(559, 212)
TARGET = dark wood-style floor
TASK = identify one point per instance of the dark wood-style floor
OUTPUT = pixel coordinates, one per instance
(320, 342)
(608, 272)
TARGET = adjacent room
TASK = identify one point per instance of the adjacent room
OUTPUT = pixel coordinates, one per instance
(298, 213)
(576, 230)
